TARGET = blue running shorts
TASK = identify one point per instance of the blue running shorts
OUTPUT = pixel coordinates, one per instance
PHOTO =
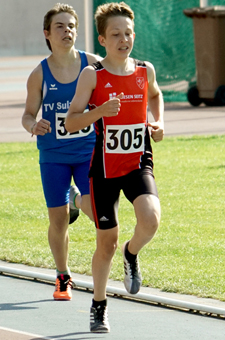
(56, 180)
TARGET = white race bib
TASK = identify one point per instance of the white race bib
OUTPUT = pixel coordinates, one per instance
(62, 133)
(125, 138)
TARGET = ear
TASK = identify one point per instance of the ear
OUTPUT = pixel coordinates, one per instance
(46, 34)
(101, 40)
(134, 35)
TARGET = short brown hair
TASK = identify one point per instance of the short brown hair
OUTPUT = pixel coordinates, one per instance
(56, 9)
(103, 12)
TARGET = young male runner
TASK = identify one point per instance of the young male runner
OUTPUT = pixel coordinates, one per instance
(63, 155)
(118, 90)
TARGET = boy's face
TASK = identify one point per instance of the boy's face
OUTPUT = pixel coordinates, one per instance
(119, 36)
(62, 31)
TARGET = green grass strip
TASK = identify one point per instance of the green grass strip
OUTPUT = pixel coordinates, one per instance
(187, 255)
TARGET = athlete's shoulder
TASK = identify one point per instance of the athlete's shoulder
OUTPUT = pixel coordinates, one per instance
(148, 66)
(92, 58)
(88, 77)
(140, 63)
(150, 70)
(36, 75)
(37, 70)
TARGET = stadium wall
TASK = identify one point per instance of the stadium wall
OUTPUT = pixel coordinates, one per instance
(21, 30)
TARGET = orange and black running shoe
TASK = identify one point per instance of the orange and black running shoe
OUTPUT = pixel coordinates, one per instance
(63, 286)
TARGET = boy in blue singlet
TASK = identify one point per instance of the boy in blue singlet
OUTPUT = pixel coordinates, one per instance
(118, 90)
(63, 155)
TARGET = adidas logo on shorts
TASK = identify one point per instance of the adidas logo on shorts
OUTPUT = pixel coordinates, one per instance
(103, 219)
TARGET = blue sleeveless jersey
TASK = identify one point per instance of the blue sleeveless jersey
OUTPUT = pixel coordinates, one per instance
(60, 146)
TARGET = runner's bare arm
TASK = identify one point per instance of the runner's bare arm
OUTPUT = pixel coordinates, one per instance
(156, 104)
(33, 104)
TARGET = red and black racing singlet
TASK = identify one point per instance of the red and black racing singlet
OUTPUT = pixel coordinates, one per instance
(123, 141)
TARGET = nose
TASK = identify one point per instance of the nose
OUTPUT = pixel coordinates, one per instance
(123, 38)
(67, 29)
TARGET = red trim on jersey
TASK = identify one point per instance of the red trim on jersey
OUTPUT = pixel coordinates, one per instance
(93, 204)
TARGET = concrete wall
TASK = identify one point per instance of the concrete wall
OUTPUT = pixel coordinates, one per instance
(21, 26)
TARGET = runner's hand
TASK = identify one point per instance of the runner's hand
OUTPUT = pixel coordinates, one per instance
(112, 106)
(157, 132)
(41, 128)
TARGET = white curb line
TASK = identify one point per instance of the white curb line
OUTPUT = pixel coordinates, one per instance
(122, 292)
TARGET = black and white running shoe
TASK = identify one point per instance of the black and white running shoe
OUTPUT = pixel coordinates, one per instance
(132, 277)
(99, 320)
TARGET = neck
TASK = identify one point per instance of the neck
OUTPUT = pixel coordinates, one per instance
(119, 67)
(64, 58)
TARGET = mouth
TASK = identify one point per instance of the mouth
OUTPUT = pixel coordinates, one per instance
(67, 38)
(124, 48)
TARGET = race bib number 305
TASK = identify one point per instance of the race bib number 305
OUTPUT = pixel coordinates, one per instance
(62, 133)
(125, 138)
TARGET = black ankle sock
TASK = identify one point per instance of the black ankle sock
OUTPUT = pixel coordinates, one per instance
(102, 303)
(130, 257)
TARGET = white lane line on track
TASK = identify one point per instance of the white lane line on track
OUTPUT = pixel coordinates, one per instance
(41, 337)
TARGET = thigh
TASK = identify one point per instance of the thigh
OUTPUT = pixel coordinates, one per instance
(86, 206)
(139, 182)
(105, 200)
(80, 176)
(56, 179)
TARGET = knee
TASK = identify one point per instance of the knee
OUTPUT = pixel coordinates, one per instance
(60, 226)
(154, 220)
(108, 249)
(150, 221)
(59, 219)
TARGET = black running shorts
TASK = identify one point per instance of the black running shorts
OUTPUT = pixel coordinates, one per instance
(105, 194)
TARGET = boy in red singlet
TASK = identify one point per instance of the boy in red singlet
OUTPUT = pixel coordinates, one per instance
(118, 90)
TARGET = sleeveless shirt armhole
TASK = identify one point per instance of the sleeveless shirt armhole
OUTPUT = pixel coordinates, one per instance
(84, 60)
(44, 66)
